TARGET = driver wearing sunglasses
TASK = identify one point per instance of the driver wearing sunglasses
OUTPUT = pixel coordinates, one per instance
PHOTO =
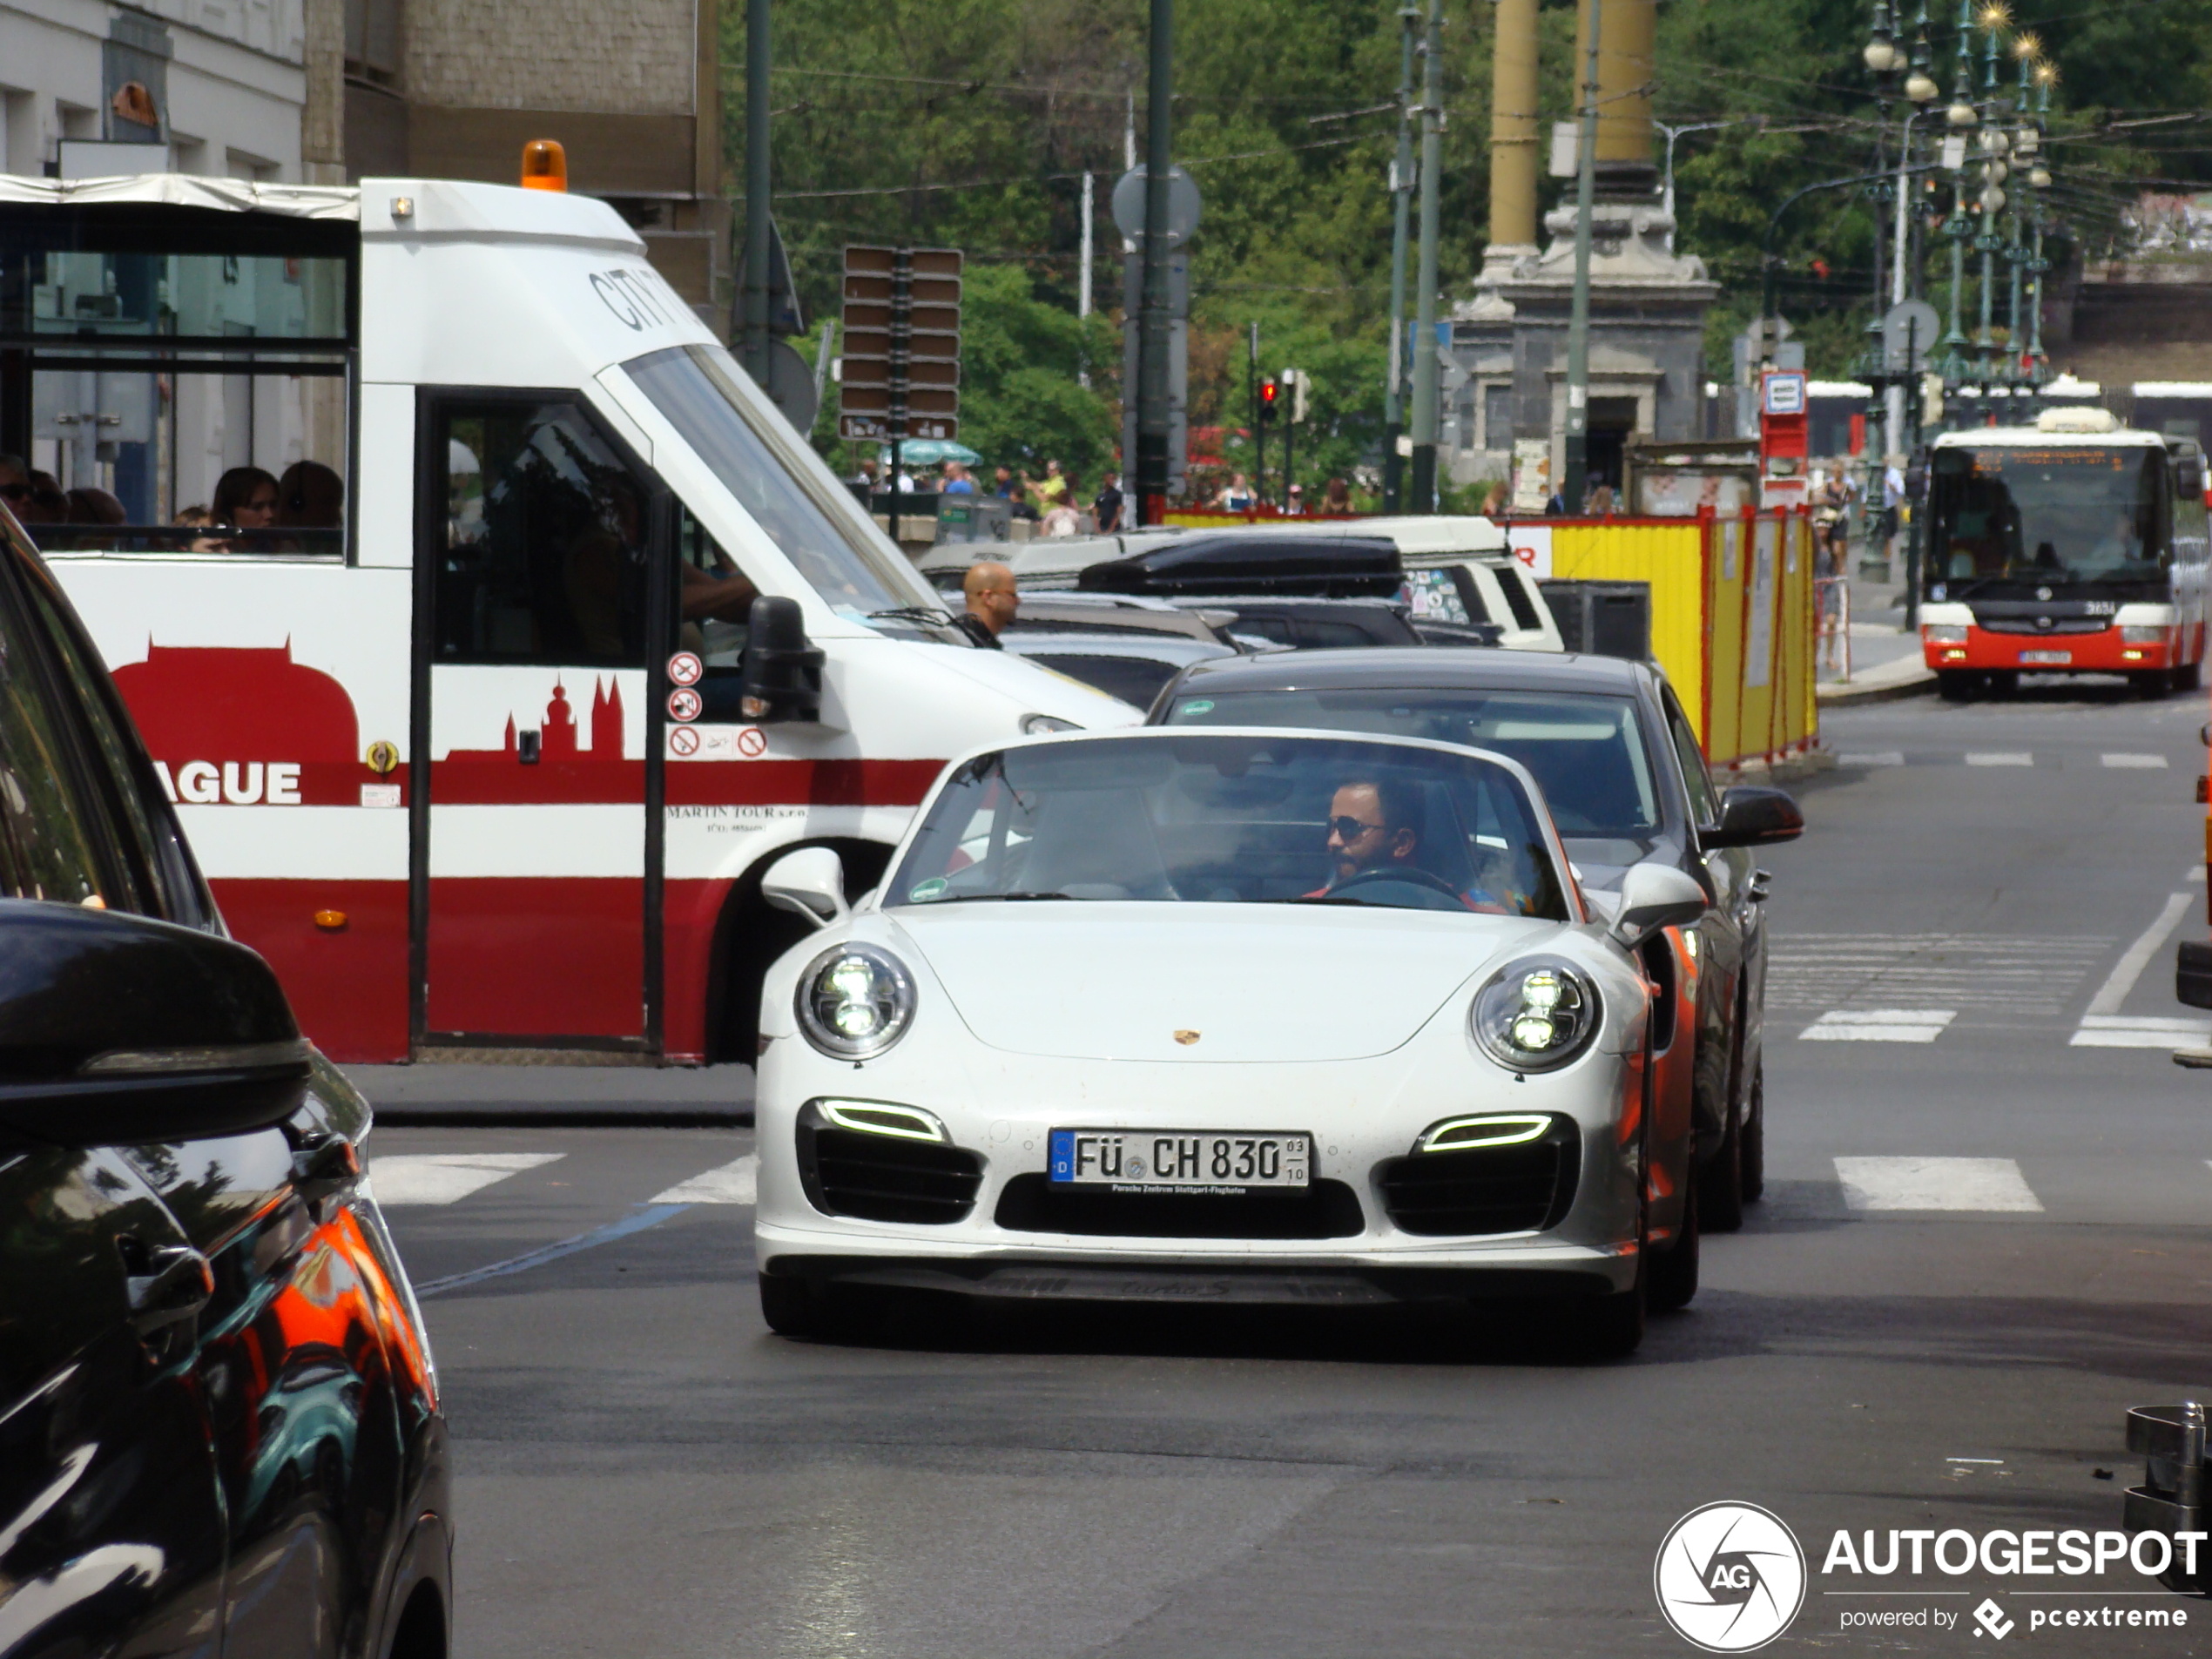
(1374, 832)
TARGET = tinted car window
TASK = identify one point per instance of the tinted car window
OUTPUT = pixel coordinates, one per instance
(1702, 805)
(1133, 679)
(51, 830)
(1586, 751)
(1513, 584)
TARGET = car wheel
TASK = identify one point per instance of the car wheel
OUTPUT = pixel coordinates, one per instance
(1673, 1276)
(1954, 685)
(1609, 1327)
(1720, 1182)
(1751, 1159)
(792, 1306)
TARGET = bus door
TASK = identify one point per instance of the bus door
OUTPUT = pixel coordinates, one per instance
(536, 871)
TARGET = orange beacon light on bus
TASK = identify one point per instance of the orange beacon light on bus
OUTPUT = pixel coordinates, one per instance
(545, 165)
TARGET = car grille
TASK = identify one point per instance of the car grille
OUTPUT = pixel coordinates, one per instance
(1325, 1210)
(2059, 624)
(1486, 1190)
(880, 1177)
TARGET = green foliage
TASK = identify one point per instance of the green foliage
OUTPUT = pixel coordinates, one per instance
(968, 122)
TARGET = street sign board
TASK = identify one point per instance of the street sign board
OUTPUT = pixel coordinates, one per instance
(1183, 205)
(900, 375)
(1783, 392)
(1910, 331)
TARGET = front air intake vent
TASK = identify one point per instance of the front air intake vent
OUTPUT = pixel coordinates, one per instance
(1486, 1190)
(883, 1177)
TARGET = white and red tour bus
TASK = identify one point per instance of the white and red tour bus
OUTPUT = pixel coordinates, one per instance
(463, 695)
(2070, 546)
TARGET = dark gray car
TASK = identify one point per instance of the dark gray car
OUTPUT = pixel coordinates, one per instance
(1620, 769)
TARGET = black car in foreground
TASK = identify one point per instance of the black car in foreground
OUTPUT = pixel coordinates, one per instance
(219, 1432)
(1620, 767)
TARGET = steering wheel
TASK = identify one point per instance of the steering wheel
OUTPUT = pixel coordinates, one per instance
(1412, 876)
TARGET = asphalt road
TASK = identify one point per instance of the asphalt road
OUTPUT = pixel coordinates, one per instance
(1985, 1239)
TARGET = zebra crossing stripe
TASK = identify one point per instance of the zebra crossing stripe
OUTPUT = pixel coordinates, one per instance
(1879, 1025)
(1992, 1184)
(734, 1183)
(446, 1178)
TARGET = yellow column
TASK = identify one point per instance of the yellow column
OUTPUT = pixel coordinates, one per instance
(1512, 126)
(1625, 72)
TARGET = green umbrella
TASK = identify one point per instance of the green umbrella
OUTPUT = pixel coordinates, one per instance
(934, 452)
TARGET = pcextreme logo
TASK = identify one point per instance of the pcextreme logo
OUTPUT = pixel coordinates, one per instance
(1729, 1577)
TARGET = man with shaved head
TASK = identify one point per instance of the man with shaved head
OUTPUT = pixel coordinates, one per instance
(991, 603)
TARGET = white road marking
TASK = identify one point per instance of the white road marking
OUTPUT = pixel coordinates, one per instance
(2136, 763)
(2019, 977)
(446, 1178)
(1879, 1025)
(1882, 758)
(2195, 874)
(736, 1182)
(2000, 759)
(2136, 957)
(2121, 1032)
(1935, 1183)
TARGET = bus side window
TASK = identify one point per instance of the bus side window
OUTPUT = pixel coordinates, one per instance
(543, 557)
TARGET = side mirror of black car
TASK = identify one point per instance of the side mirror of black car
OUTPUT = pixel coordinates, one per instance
(783, 671)
(115, 1030)
(1754, 817)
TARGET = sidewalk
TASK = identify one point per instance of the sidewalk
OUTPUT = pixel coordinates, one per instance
(576, 1095)
(1885, 661)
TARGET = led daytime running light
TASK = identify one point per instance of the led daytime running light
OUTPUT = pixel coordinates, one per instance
(877, 1117)
(1468, 1134)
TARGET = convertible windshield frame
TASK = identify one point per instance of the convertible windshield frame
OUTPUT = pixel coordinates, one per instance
(785, 487)
(1238, 816)
(1542, 740)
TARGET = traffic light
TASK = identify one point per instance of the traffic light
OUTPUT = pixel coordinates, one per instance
(1269, 392)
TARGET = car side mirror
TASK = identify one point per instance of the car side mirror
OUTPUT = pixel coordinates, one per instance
(1653, 896)
(810, 882)
(117, 1030)
(1754, 817)
(783, 668)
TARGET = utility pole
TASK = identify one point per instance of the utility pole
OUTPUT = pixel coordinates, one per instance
(1424, 344)
(1251, 403)
(1575, 473)
(1152, 411)
(757, 274)
(1401, 191)
(1083, 277)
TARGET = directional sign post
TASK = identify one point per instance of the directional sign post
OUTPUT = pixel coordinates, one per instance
(901, 377)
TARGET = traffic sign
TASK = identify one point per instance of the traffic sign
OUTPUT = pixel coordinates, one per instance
(1910, 331)
(900, 375)
(1184, 205)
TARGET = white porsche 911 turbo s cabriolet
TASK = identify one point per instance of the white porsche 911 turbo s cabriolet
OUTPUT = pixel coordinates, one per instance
(1237, 1015)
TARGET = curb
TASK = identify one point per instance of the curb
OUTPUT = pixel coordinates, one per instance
(1917, 684)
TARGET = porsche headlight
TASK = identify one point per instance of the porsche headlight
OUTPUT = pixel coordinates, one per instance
(855, 1001)
(1535, 1015)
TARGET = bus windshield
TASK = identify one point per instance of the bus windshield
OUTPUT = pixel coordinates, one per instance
(2064, 514)
(791, 496)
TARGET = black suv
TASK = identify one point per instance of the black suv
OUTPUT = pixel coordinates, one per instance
(219, 1419)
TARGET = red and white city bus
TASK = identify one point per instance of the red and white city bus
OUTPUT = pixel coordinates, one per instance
(2070, 546)
(465, 701)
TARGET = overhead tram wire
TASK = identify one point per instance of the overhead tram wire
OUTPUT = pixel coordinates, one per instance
(1050, 178)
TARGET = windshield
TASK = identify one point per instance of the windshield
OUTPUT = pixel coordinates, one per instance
(779, 480)
(1235, 819)
(2068, 514)
(1587, 752)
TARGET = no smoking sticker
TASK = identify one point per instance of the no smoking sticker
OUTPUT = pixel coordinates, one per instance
(685, 669)
(684, 704)
(684, 740)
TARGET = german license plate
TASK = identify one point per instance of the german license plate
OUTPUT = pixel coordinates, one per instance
(2058, 656)
(1177, 1160)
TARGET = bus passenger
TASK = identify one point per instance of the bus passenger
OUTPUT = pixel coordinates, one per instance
(245, 499)
(310, 496)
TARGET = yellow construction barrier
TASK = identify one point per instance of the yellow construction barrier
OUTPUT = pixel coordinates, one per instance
(1732, 619)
